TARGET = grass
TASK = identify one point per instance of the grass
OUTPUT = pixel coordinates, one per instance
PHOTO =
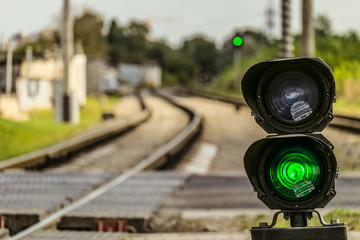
(347, 107)
(350, 217)
(18, 138)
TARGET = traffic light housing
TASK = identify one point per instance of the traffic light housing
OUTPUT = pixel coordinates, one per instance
(290, 95)
(292, 172)
(295, 167)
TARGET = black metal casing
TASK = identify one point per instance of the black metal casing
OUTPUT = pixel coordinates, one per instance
(300, 233)
(259, 154)
(257, 78)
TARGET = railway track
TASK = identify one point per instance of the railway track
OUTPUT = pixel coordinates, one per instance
(128, 200)
(128, 188)
(107, 183)
(342, 122)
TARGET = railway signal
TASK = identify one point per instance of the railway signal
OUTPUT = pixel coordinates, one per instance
(237, 43)
(293, 169)
(237, 40)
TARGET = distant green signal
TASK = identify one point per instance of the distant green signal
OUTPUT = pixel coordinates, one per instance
(237, 41)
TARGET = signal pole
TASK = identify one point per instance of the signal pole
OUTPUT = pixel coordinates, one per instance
(237, 63)
(308, 35)
(237, 41)
(286, 49)
(270, 23)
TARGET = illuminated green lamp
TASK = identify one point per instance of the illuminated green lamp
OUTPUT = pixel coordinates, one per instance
(294, 173)
(237, 41)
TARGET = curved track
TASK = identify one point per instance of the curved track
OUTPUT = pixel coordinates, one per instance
(224, 137)
(155, 159)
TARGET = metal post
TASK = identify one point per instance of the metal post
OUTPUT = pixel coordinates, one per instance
(58, 87)
(298, 220)
(308, 35)
(66, 45)
(29, 57)
(269, 12)
(9, 59)
(286, 49)
(237, 63)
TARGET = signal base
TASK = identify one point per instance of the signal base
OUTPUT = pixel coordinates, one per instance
(299, 233)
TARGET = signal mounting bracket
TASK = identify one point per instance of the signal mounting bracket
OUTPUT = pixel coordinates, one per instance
(288, 214)
(299, 230)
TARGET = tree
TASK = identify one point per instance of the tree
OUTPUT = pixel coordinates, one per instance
(205, 55)
(127, 44)
(323, 26)
(40, 46)
(114, 41)
(88, 30)
(158, 51)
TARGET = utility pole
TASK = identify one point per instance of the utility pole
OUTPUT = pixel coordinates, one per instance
(67, 52)
(308, 35)
(270, 23)
(286, 49)
(29, 57)
(9, 63)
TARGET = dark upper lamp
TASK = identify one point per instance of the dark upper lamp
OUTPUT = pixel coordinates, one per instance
(290, 95)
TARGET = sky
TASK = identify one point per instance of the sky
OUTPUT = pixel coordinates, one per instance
(175, 20)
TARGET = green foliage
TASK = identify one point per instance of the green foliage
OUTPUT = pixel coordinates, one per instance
(256, 48)
(347, 78)
(88, 31)
(323, 26)
(204, 54)
(127, 44)
(180, 65)
(198, 60)
(342, 54)
(351, 217)
(251, 41)
(159, 51)
(39, 47)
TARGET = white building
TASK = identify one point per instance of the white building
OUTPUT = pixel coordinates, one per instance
(137, 74)
(35, 85)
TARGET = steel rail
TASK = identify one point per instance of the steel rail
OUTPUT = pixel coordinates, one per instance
(342, 122)
(347, 123)
(152, 161)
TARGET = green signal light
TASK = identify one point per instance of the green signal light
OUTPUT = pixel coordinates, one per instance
(237, 41)
(294, 173)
